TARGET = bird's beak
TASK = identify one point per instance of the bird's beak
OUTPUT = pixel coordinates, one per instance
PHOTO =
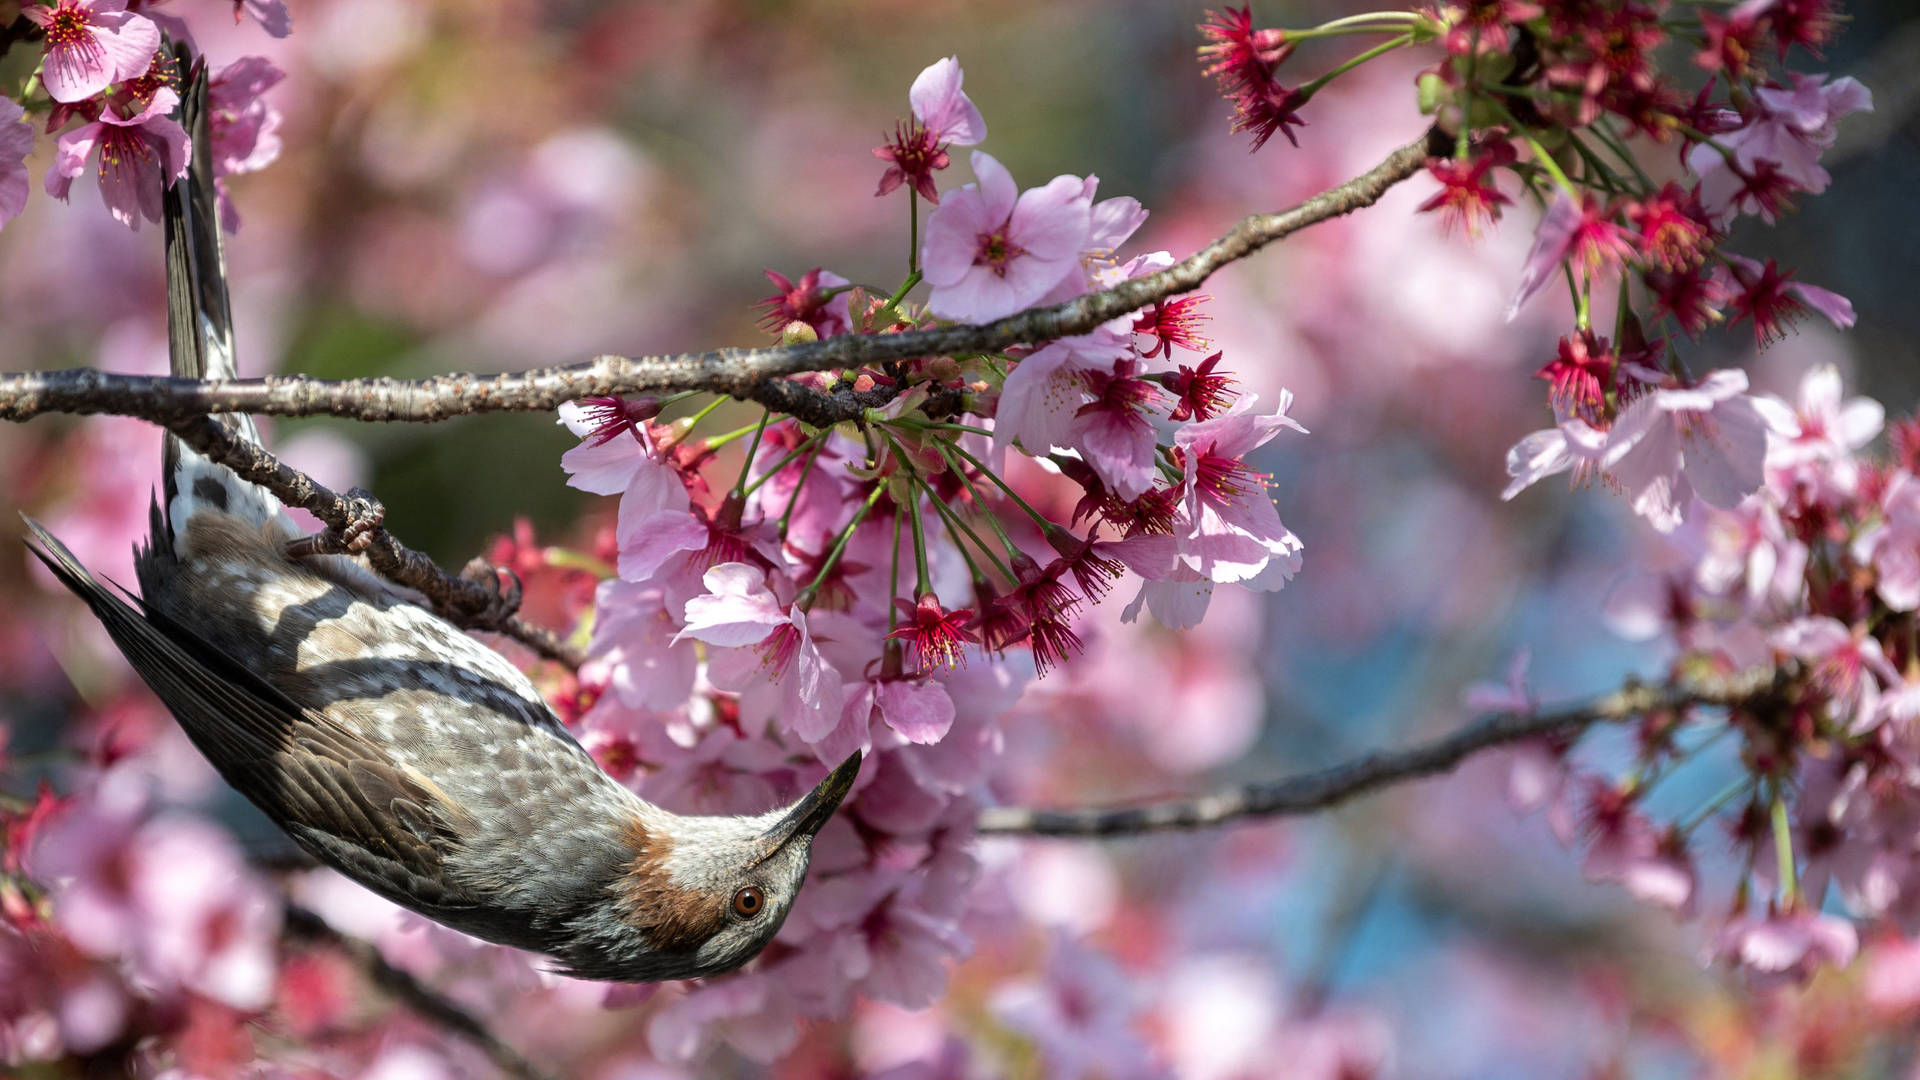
(810, 814)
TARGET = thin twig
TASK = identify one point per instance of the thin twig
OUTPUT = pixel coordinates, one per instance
(1322, 788)
(354, 527)
(429, 1004)
(756, 374)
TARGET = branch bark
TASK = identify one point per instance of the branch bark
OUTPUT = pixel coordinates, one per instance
(755, 374)
(1322, 788)
(426, 1002)
(474, 601)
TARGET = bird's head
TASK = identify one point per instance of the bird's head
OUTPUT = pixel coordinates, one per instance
(703, 895)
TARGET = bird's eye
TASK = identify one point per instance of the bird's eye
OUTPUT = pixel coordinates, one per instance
(748, 902)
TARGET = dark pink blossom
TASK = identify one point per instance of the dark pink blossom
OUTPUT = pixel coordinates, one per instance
(939, 637)
(1774, 301)
(139, 157)
(943, 116)
(1467, 198)
(808, 300)
(92, 44)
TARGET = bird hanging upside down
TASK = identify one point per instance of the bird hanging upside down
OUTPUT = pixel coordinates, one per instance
(393, 747)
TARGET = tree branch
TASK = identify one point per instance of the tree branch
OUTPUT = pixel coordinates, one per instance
(474, 600)
(429, 1004)
(1323, 788)
(756, 374)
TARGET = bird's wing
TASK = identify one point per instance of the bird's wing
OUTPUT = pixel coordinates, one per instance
(337, 793)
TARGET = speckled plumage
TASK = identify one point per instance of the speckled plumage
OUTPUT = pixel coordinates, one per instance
(392, 746)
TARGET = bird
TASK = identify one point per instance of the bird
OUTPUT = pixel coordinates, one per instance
(388, 744)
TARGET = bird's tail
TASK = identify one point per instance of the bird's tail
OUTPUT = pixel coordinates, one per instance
(200, 326)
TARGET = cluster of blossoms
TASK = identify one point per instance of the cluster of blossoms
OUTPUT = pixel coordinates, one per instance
(105, 76)
(1552, 96)
(882, 586)
(1811, 582)
(774, 597)
(153, 929)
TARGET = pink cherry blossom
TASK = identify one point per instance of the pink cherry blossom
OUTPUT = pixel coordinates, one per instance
(1792, 944)
(92, 44)
(991, 250)
(1572, 446)
(1674, 443)
(272, 15)
(1848, 667)
(1043, 394)
(1081, 1015)
(1232, 533)
(768, 653)
(1790, 127)
(633, 634)
(1114, 432)
(1551, 242)
(139, 157)
(244, 129)
(939, 102)
(16, 142)
(1893, 545)
(943, 116)
(918, 710)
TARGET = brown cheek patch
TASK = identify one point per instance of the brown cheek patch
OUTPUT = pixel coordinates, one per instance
(674, 918)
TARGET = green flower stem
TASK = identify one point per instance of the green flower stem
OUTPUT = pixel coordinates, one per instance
(760, 429)
(1545, 161)
(955, 526)
(1603, 130)
(569, 559)
(893, 580)
(793, 500)
(992, 518)
(805, 446)
(1384, 19)
(718, 400)
(1307, 90)
(1598, 169)
(1330, 30)
(1038, 518)
(936, 425)
(719, 441)
(913, 241)
(1783, 851)
(1716, 804)
(885, 314)
(1581, 318)
(805, 599)
(922, 581)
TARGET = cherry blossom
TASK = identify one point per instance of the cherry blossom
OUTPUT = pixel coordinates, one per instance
(140, 155)
(1232, 532)
(92, 44)
(1673, 443)
(991, 249)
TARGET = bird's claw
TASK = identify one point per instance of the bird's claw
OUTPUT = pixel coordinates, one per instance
(365, 516)
(502, 587)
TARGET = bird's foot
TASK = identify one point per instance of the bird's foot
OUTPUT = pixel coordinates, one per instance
(365, 516)
(500, 587)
